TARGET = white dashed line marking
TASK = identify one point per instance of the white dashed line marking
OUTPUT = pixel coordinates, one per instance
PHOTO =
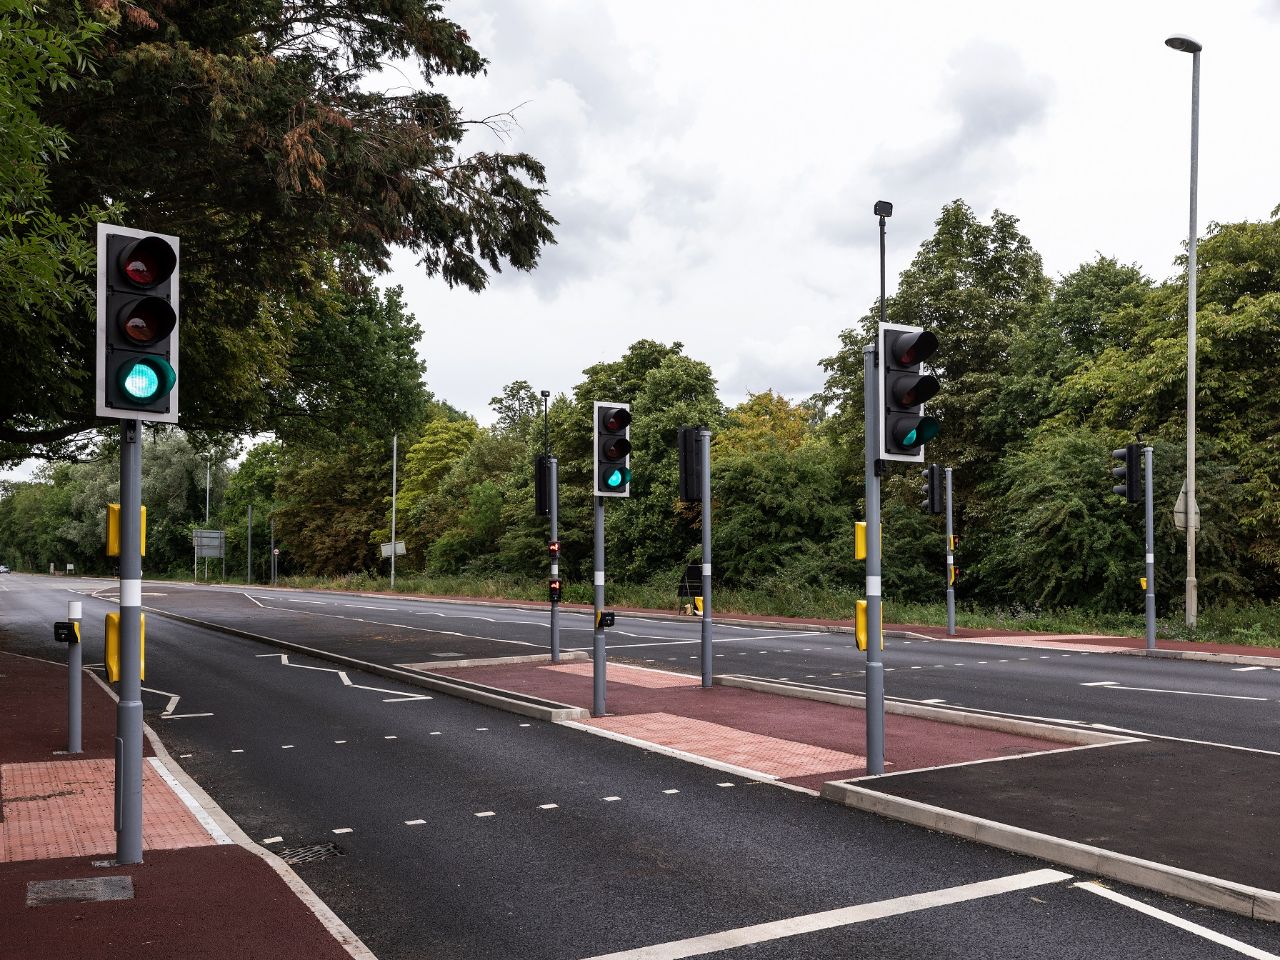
(434, 733)
(344, 830)
(526, 724)
(414, 823)
(286, 746)
(725, 784)
(1247, 669)
(479, 729)
(339, 741)
(548, 806)
(391, 736)
(485, 813)
(183, 756)
(237, 751)
(608, 799)
(274, 840)
(671, 791)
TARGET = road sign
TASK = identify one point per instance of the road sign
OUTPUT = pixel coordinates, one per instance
(1180, 511)
(209, 543)
(276, 551)
(386, 549)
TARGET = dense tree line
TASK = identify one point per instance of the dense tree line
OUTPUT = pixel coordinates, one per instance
(1042, 378)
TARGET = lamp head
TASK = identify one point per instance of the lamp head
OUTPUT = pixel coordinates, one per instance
(1183, 43)
(883, 208)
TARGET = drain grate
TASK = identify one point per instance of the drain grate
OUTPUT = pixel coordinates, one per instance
(310, 853)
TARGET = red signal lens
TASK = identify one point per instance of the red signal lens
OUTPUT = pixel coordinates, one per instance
(148, 261)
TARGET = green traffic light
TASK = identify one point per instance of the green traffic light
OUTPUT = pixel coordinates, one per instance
(146, 379)
(617, 478)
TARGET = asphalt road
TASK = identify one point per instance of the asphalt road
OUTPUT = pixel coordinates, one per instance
(1210, 702)
(463, 831)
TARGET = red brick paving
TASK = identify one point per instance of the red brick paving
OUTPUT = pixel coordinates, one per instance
(910, 742)
(780, 758)
(65, 808)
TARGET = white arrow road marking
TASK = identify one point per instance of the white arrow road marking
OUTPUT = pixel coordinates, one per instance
(1113, 685)
(168, 713)
(396, 695)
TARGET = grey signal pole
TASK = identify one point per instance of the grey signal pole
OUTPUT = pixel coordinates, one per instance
(248, 550)
(1151, 553)
(704, 441)
(128, 745)
(951, 565)
(394, 439)
(553, 481)
(875, 668)
(597, 637)
(74, 662)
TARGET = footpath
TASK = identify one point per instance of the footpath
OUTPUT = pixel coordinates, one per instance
(203, 889)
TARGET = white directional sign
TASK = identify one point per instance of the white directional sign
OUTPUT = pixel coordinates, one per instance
(386, 549)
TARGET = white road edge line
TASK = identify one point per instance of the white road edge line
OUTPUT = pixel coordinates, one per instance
(1113, 685)
(844, 916)
(197, 811)
(1212, 935)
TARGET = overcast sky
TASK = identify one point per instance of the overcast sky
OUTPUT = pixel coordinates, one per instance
(713, 165)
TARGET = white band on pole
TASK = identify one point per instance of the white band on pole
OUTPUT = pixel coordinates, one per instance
(555, 569)
(706, 569)
(1151, 558)
(599, 578)
(130, 593)
(873, 586)
(73, 609)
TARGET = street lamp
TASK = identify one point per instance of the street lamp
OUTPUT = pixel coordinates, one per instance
(208, 469)
(1187, 45)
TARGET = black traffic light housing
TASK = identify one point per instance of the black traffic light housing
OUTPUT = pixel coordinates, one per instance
(689, 446)
(934, 489)
(542, 486)
(553, 590)
(1130, 486)
(137, 325)
(905, 387)
(612, 444)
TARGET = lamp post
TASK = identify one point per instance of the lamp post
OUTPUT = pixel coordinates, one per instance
(208, 470)
(1187, 45)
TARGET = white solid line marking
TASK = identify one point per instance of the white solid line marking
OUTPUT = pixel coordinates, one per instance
(1247, 669)
(199, 812)
(828, 919)
(1112, 685)
(255, 601)
(670, 791)
(1211, 935)
(344, 830)
(933, 701)
(485, 813)
(274, 840)
(607, 799)
(548, 806)
(414, 823)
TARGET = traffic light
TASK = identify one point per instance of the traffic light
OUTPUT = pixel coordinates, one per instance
(689, 446)
(613, 449)
(542, 486)
(905, 387)
(934, 497)
(137, 345)
(554, 591)
(553, 548)
(1130, 486)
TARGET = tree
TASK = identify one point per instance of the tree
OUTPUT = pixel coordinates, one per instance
(257, 135)
(45, 251)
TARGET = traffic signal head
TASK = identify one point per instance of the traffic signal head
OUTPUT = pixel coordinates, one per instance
(553, 548)
(137, 344)
(554, 591)
(904, 388)
(689, 447)
(934, 497)
(1130, 487)
(612, 449)
(542, 486)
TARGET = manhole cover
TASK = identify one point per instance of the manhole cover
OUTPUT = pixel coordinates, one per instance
(309, 853)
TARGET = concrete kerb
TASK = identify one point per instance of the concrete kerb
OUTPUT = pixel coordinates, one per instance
(1205, 656)
(494, 661)
(477, 693)
(1199, 888)
(330, 920)
(1026, 728)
